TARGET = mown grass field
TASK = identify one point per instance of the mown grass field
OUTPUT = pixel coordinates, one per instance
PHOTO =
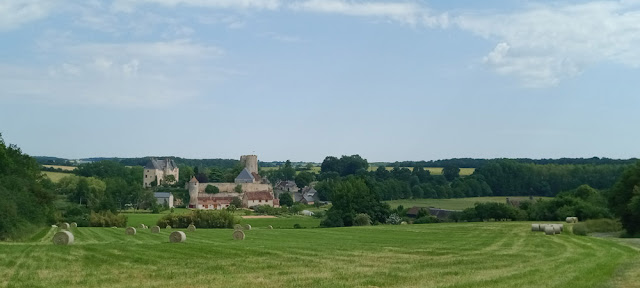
(452, 204)
(67, 168)
(56, 176)
(432, 170)
(496, 254)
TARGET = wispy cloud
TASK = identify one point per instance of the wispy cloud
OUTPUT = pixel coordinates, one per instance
(403, 12)
(128, 5)
(16, 13)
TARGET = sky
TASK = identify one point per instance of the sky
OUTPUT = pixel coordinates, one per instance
(301, 80)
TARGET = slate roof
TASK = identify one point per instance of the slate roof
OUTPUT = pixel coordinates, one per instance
(161, 164)
(161, 194)
(258, 195)
(245, 175)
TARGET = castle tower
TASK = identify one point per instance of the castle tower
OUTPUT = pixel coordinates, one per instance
(250, 162)
(193, 192)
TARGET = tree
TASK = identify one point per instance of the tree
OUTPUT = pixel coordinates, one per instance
(236, 202)
(288, 173)
(624, 199)
(210, 189)
(238, 188)
(350, 197)
(451, 172)
(304, 178)
(286, 199)
(169, 180)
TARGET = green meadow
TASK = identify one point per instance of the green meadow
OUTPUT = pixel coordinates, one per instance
(493, 254)
(56, 176)
(452, 204)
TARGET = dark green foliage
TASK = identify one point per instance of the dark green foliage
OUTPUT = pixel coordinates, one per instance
(238, 188)
(624, 199)
(269, 210)
(25, 200)
(580, 229)
(286, 199)
(106, 219)
(346, 165)
(492, 211)
(450, 172)
(426, 220)
(210, 189)
(201, 219)
(303, 179)
(236, 201)
(583, 202)
(350, 197)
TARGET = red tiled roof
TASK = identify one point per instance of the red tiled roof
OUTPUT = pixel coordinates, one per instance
(259, 195)
(214, 200)
(276, 202)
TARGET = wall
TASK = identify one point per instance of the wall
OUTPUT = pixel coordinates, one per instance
(230, 187)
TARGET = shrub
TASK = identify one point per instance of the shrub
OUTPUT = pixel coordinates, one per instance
(213, 189)
(106, 219)
(580, 229)
(201, 219)
(266, 210)
(426, 220)
(362, 219)
(297, 226)
(238, 188)
(394, 219)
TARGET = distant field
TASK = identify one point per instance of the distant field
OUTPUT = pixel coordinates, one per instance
(135, 219)
(451, 204)
(67, 168)
(495, 254)
(56, 176)
(432, 170)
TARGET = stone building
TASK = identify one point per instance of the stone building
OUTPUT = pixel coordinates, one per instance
(164, 197)
(156, 170)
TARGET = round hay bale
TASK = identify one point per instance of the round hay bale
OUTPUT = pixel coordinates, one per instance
(54, 226)
(114, 227)
(63, 238)
(548, 230)
(64, 225)
(575, 219)
(142, 226)
(269, 227)
(542, 227)
(569, 219)
(247, 227)
(238, 235)
(191, 228)
(556, 228)
(155, 229)
(535, 227)
(168, 227)
(130, 231)
(177, 237)
(237, 227)
(561, 227)
(403, 223)
(74, 225)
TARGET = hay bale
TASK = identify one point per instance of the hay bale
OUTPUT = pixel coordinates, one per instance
(535, 227)
(64, 225)
(556, 228)
(247, 227)
(191, 228)
(548, 230)
(403, 223)
(542, 227)
(114, 227)
(575, 219)
(130, 231)
(269, 227)
(54, 226)
(238, 235)
(569, 219)
(177, 237)
(74, 225)
(142, 226)
(155, 229)
(63, 238)
(168, 227)
(561, 227)
(237, 227)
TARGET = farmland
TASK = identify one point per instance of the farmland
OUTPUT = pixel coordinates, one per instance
(55, 176)
(66, 168)
(438, 255)
(451, 204)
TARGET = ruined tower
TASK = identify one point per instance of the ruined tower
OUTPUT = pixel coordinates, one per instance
(250, 162)
(193, 186)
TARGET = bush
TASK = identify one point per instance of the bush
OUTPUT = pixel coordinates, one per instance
(201, 219)
(106, 219)
(297, 226)
(267, 210)
(212, 189)
(426, 220)
(362, 219)
(394, 219)
(580, 229)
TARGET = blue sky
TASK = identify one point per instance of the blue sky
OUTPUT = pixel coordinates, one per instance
(300, 80)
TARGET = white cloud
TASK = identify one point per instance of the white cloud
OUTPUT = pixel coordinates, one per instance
(15, 13)
(547, 43)
(129, 5)
(403, 12)
(120, 75)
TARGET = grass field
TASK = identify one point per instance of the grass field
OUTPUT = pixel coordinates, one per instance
(56, 176)
(451, 204)
(135, 219)
(67, 168)
(432, 170)
(496, 254)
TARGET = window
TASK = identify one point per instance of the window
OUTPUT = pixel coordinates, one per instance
(145, 176)
(259, 200)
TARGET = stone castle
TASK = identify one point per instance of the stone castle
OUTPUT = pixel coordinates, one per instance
(156, 171)
(255, 190)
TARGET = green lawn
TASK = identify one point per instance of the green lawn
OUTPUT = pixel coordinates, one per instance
(56, 176)
(452, 204)
(495, 254)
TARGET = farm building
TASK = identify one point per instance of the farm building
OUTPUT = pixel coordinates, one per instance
(250, 199)
(287, 186)
(164, 197)
(156, 171)
(308, 195)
